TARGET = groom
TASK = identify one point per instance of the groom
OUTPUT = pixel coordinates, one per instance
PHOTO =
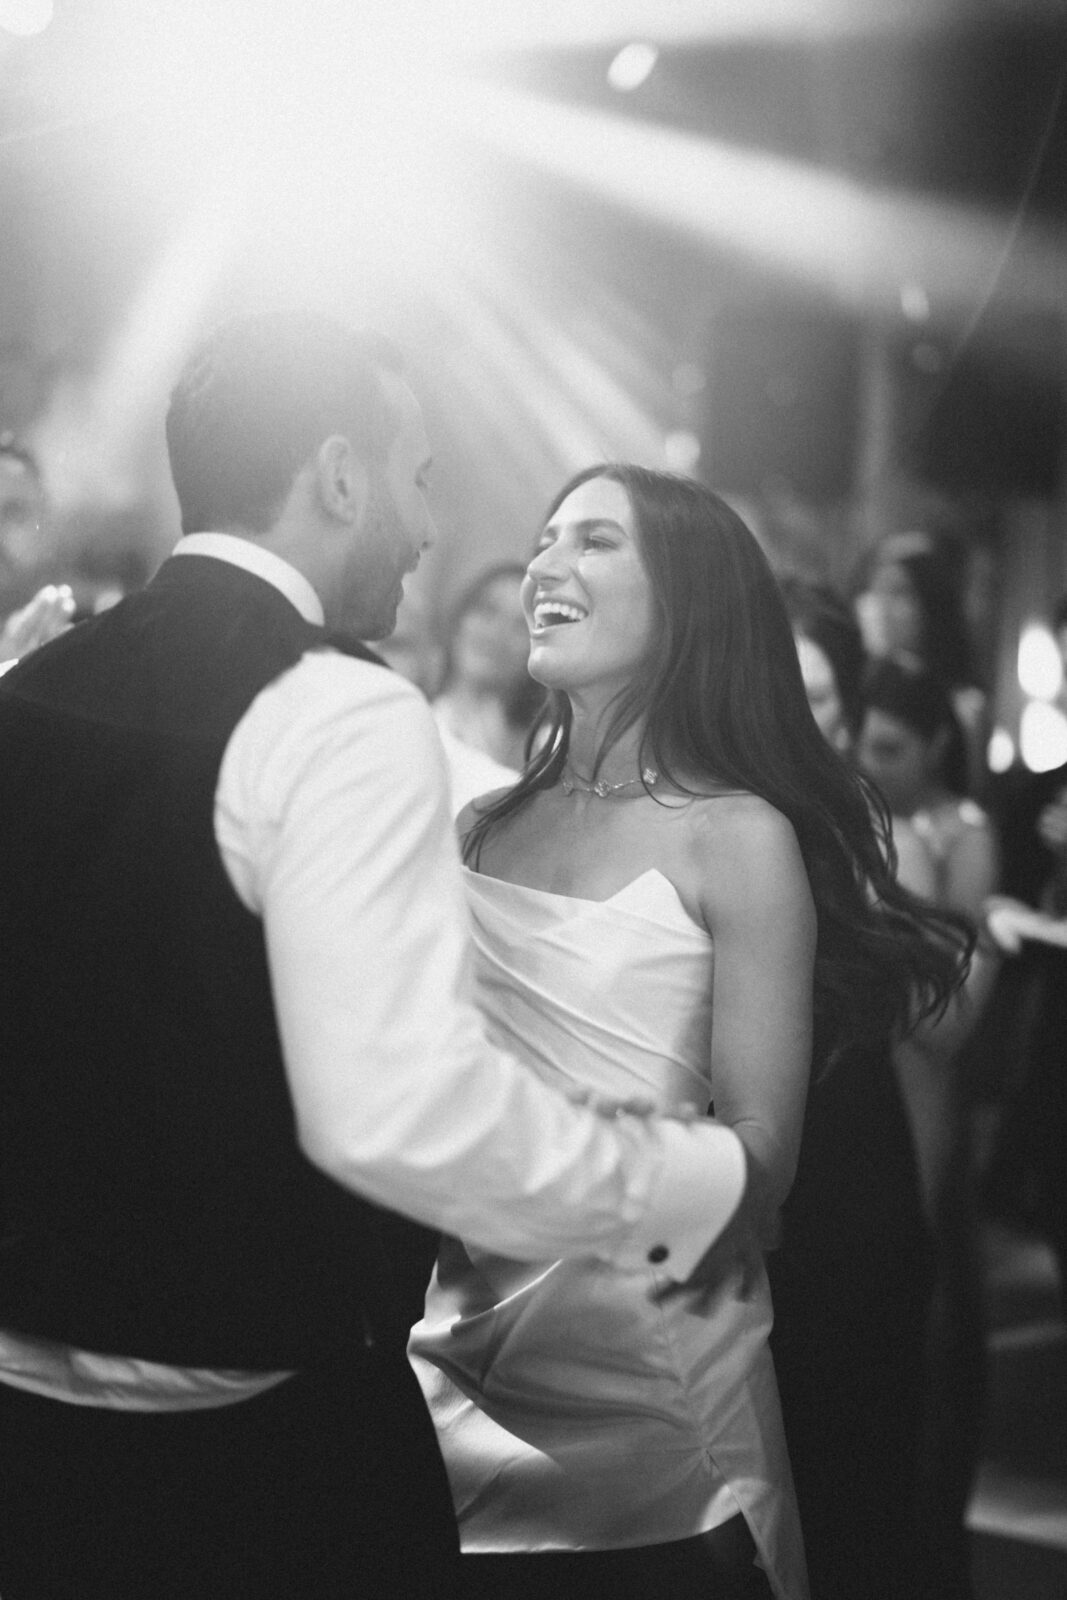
(235, 1024)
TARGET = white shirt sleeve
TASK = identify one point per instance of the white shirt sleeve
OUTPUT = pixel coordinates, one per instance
(333, 822)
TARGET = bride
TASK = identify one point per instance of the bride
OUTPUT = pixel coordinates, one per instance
(680, 899)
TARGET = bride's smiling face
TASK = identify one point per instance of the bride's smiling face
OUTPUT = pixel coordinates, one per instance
(587, 594)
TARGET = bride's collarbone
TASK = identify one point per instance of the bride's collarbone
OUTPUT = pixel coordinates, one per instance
(591, 854)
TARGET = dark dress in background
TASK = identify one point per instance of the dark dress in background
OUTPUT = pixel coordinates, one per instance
(851, 1283)
(1025, 1060)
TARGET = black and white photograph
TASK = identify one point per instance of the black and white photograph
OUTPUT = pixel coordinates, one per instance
(533, 799)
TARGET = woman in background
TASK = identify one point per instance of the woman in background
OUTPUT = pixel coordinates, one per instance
(912, 612)
(414, 650)
(487, 699)
(912, 747)
(683, 893)
(852, 1280)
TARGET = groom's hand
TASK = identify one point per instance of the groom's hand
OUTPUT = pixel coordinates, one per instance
(635, 1105)
(736, 1253)
(608, 1106)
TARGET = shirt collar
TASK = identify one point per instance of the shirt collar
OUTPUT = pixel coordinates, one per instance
(262, 563)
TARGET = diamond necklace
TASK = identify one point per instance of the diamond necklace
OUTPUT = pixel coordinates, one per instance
(601, 788)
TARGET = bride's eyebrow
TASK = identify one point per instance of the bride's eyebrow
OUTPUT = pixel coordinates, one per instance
(586, 525)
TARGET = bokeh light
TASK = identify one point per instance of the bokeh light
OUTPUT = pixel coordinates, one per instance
(632, 67)
(24, 18)
(1040, 664)
(1042, 736)
(1001, 751)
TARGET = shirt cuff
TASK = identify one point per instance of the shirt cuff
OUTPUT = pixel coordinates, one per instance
(700, 1187)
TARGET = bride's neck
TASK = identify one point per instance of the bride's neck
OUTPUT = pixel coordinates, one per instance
(587, 743)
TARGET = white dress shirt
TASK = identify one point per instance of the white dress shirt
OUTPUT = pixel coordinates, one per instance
(332, 818)
(471, 772)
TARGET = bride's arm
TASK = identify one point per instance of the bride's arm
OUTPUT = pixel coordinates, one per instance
(758, 907)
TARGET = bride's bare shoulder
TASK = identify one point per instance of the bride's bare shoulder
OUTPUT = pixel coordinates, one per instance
(736, 821)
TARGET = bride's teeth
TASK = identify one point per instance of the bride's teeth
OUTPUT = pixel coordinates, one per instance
(549, 610)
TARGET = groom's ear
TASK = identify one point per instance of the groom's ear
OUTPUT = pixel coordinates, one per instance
(342, 481)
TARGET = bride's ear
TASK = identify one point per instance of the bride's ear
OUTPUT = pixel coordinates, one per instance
(341, 480)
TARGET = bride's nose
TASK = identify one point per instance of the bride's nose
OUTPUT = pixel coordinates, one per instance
(546, 563)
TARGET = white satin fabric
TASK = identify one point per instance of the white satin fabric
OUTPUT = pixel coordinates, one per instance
(572, 1412)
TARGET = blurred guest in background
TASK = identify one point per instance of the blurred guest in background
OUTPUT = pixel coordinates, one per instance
(1031, 862)
(487, 698)
(22, 506)
(27, 619)
(851, 1281)
(48, 614)
(100, 575)
(912, 610)
(912, 747)
(414, 650)
(832, 659)
(1027, 1180)
(1034, 1142)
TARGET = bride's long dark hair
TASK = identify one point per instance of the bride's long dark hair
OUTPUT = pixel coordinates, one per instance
(721, 697)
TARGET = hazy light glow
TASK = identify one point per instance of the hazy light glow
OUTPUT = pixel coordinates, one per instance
(583, 410)
(688, 379)
(345, 131)
(1040, 666)
(338, 173)
(92, 431)
(349, 120)
(632, 67)
(1043, 736)
(25, 17)
(681, 451)
(858, 242)
(1001, 751)
(612, 22)
(340, 118)
(369, 178)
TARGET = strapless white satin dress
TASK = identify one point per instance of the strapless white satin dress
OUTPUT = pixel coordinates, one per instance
(573, 1413)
